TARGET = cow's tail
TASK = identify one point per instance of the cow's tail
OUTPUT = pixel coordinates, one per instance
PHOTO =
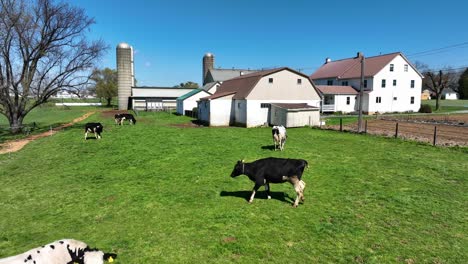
(306, 164)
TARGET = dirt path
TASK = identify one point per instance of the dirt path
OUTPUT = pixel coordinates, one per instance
(15, 145)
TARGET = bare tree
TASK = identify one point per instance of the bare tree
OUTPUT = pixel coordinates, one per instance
(43, 49)
(436, 82)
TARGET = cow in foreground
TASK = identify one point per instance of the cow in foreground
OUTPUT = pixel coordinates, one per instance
(95, 128)
(120, 118)
(279, 136)
(273, 170)
(65, 251)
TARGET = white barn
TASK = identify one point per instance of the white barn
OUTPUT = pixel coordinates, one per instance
(391, 82)
(248, 100)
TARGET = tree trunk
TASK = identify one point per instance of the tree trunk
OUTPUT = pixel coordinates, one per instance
(16, 123)
(109, 101)
(438, 97)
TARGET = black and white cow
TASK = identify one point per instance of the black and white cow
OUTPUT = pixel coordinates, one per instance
(279, 136)
(120, 118)
(65, 251)
(95, 128)
(274, 170)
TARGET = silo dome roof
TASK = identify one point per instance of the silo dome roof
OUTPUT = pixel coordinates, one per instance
(208, 54)
(123, 45)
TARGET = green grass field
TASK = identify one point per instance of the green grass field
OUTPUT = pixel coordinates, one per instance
(158, 192)
(448, 105)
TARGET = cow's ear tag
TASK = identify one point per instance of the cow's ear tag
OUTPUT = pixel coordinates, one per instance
(110, 259)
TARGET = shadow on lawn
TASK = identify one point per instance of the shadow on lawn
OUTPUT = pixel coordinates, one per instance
(281, 196)
(269, 147)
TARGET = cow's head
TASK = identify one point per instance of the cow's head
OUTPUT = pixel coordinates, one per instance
(87, 256)
(238, 168)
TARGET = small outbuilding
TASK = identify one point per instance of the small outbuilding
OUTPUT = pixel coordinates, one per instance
(189, 100)
(294, 115)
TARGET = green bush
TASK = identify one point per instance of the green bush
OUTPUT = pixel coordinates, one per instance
(425, 108)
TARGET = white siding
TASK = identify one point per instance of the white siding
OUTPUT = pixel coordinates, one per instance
(340, 103)
(190, 102)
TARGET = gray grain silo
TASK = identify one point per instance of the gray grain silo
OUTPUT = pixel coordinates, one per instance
(125, 74)
(208, 64)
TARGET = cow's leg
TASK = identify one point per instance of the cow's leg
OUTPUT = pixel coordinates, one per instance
(267, 189)
(294, 180)
(86, 135)
(302, 184)
(255, 189)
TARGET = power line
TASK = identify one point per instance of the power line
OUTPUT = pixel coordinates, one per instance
(437, 50)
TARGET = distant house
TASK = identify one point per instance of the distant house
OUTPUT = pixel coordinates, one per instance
(426, 95)
(211, 87)
(338, 98)
(189, 100)
(391, 82)
(449, 94)
(279, 96)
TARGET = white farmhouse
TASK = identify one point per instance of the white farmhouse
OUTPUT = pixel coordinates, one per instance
(338, 98)
(391, 82)
(279, 96)
(189, 100)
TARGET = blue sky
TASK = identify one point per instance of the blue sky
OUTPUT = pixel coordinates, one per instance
(170, 37)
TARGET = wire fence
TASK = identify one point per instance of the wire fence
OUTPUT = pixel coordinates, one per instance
(442, 131)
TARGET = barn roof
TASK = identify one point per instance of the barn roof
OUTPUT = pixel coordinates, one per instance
(226, 74)
(189, 94)
(351, 67)
(243, 85)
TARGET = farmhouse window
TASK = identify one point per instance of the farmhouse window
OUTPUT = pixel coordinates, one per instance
(412, 99)
(329, 82)
(348, 100)
(383, 83)
(299, 81)
(365, 83)
(394, 82)
(238, 105)
(344, 83)
(265, 105)
(378, 100)
(391, 67)
(412, 83)
(406, 67)
(270, 80)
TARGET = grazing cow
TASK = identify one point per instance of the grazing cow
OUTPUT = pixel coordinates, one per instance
(120, 118)
(95, 128)
(273, 170)
(279, 136)
(65, 251)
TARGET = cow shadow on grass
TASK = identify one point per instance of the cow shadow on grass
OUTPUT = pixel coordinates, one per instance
(260, 195)
(269, 147)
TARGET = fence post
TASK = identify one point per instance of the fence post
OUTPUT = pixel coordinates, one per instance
(365, 127)
(396, 130)
(341, 124)
(435, 136)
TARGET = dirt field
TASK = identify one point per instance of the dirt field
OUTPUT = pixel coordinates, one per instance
(452, 130)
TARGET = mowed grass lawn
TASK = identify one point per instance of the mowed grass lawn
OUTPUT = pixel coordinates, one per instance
(157, 192)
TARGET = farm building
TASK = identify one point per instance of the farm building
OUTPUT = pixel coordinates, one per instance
(270, 97)
(391, 82)
(338, 98)
(189, 100)
(426, 95)
(449, 94)
(211, 74)
(141, 98)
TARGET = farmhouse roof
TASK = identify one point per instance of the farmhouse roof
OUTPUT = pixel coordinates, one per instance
(209, 85)
(351, 67)
(243, 85)
(217, 95)
(335, 89)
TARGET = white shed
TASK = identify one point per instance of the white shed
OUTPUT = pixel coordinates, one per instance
(294, 115)
(189, 100)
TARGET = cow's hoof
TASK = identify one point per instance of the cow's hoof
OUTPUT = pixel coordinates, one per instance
(269, 197)
(250, 202)
(295, 205)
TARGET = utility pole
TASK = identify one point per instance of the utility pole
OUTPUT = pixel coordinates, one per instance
(361, 91)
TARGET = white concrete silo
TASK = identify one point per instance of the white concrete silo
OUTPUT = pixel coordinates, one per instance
(125, 74)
